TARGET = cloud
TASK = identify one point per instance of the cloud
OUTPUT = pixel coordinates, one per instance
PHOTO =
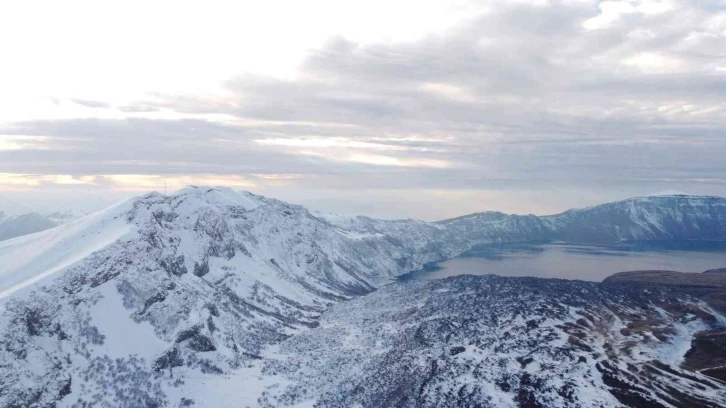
(34, 180)
(130, 182)
(569, 93)
(91, 104)
(20, 142)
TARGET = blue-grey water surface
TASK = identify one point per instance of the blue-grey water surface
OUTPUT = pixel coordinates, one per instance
(569, 261)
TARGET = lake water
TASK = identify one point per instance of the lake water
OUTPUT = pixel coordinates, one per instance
(593, 263)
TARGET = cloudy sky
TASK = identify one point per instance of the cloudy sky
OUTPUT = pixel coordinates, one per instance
(406, 108)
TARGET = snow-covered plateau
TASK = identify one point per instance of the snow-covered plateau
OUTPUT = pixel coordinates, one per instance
(211, 297)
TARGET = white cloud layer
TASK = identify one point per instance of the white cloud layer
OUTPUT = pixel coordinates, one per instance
(466, 101)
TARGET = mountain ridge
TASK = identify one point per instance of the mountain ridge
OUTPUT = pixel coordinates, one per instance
(636, 198)
(125, 306)
(634, 219)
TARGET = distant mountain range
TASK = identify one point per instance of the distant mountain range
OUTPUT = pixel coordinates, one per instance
(24, 223)
(654, 218)
(651, 218)
(191, 299)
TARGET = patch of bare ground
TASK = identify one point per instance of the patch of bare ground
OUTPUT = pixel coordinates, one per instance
(707, 354)
(709, 286)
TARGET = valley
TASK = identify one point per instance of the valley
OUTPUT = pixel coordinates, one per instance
(211, 297)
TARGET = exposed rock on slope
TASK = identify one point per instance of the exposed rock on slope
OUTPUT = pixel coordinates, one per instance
(157, 299)
(708, 348)
(204, 279)
(491, 341)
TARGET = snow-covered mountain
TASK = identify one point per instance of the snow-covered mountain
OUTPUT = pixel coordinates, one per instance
(653, 218)
(161, 300)
(19, 221)
(205, 277)
(674, 217)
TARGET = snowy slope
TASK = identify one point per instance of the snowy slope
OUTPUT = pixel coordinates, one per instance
(205, 278)
(162, 298)
(666, 217)
(63, 216)
(30, 258)
(488, 341)
(673, 217)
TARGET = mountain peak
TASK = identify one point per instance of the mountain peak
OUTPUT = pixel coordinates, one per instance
(217, 195)
(204, 280)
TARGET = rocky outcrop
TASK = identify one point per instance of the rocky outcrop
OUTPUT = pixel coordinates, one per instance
(121, 308)
(491, 341)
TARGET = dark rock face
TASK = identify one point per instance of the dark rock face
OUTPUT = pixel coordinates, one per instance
(174, 266)
(195, 339)
(66, 388)
(491, 341)
(201, 269)
(170, 359)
